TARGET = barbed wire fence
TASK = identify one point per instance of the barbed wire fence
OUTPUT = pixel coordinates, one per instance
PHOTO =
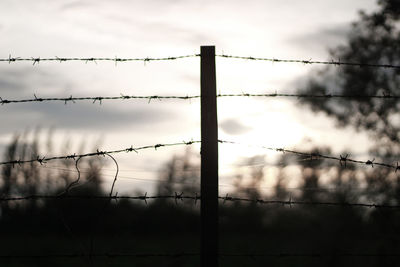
(180, 196)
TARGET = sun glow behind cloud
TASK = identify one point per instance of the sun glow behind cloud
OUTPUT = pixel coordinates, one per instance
(153, 29)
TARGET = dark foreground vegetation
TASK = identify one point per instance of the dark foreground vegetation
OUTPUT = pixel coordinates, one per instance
(83, 232)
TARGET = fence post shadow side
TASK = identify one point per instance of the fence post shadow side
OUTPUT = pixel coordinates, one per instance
(209, 160)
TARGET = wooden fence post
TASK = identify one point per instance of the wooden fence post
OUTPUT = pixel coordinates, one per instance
(209, 159)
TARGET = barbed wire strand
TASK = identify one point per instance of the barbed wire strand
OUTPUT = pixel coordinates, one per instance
(310, 61)
(99, 99)
(180, 197)
(312, 255)
(314, 156)
(42, 160)
(194, 254)
(292, 202)
(37, 60)
(93, 98)
(108, 255)
(327, 95)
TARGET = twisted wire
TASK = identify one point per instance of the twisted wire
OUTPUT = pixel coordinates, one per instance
(94, 99)
(195, 198)
(43, 160)
(99, 99)
(343, 160)
(194, 254)
(310, 61)
(37, 60)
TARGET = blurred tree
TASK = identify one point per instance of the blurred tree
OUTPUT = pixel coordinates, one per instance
(31, 178)
(374, 39)
(248, 183)
(180, 174)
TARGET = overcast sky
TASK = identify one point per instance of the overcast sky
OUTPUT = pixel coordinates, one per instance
(301, 29)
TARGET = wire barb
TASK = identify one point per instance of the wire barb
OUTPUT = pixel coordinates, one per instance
(178, 196)
(371, 162)
(12, 59)
(40, 160)
(343, 159)
(35, 60)
(144, 198)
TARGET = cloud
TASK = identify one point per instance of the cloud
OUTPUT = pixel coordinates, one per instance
(72, 5)
(322, 38)
(10, 81)
(162, 21)
(17, 84)
(166, 31)
(19, 81)
(2, 151)
(3, 146)
(78, 116)
(234, 127)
